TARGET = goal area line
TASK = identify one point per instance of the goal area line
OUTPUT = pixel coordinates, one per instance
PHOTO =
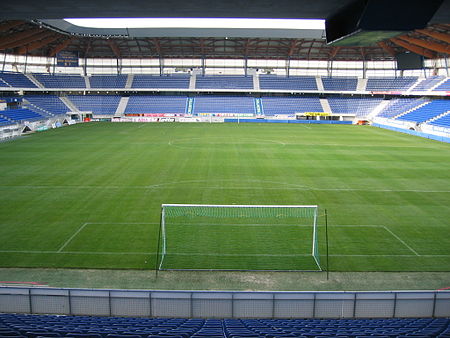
(242, 270)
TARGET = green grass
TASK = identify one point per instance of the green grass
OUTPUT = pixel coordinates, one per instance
(89, 196)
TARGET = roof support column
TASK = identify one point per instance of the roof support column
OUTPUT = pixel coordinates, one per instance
(330, 68)
(161, 66)
(364, 69)
(288, 66)
(26, 62)
(446, 66)
(203, 66)
(246, 66)
(4, 62)
(85, 66)
(119, 66)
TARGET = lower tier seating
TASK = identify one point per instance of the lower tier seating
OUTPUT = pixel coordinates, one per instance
(17, 325)
(19, 115)
(427, 112)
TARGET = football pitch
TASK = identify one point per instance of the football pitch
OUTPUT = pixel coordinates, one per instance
(90, 196)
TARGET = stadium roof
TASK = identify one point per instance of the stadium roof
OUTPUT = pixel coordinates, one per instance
(26, 29)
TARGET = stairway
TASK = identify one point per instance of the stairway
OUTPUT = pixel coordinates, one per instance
(326, 106)
(69, 104)
(129, 82)
(377, 109)
(34, 80)
(122, 106)
(362, 83)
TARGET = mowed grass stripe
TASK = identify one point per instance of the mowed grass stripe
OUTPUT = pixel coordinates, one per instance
(54, 182)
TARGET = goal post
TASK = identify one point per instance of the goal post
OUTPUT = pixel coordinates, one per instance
(238, 237)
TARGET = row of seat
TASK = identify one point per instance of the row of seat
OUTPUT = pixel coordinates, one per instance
(427, 111)
(41, 106)
(20, 325)
(182, 81)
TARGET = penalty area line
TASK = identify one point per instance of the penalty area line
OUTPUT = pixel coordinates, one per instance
(401, 240)
(212, 254)
(72, 237)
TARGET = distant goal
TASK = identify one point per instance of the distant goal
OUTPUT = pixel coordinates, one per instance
(238, 237)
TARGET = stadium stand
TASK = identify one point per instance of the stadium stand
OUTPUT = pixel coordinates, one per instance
(159, 82)
(398, 106)
(108, 81)
(340, 83)
(428, 83)
(443, 86)
(390, 84)
(19, 325)
(3, 83)
(290, 105)
(287, 83)
(19, 115)
(98, 104)
(361, 107)
(156, 105)
(4, 121)
(47, 104)
(443, 121)
(61, 81)
(427, 112)
(224, 82)
(224, 105)
(18, 80)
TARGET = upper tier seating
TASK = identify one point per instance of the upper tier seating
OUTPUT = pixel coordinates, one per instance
(156, 105)
(443, 121)
(290, 105)
(61, 81)
(444, 86)
(17, 80)
(340, 83)
(98, 104)
(224, 82)
(21, 114)
(17, 325)
(108, 81)
(398, 106)
(428, 83)
(158, 82)
(390, 84)
(48, 103)
(3, 83)
(287, 83)
(224, 105)
(426, 112)
(361, 107)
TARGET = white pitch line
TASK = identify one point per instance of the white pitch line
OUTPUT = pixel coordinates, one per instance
(401, 240)
(103, 223)
(235, 255)
(72, 237)
(377, 255)
(164, 185)
(77, 252)
(185, 254)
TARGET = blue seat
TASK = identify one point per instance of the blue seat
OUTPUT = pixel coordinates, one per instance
(84, 335)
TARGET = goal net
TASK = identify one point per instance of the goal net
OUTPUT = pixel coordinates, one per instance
(238, 237)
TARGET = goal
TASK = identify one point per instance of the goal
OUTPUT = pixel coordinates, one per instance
(238, 237)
